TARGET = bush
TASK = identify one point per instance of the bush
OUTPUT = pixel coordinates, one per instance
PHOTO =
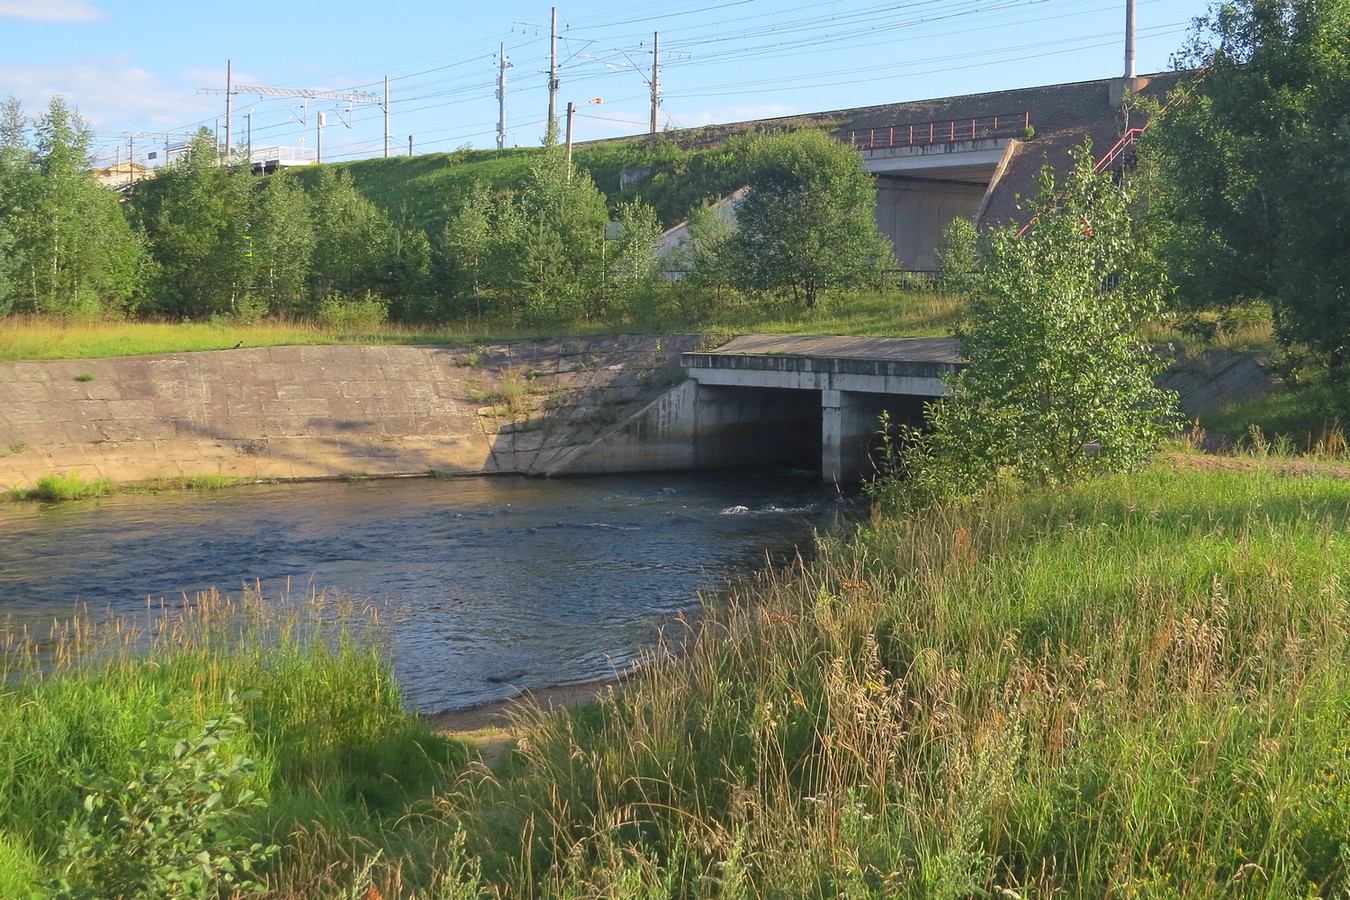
(340, 313)
(172, 826)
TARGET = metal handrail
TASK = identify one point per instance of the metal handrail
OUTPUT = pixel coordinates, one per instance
(922, 134)
(1127, 140)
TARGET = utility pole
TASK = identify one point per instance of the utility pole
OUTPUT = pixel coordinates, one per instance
(553, 74)
(1129, 38)
(318, 136)
(229, 104)
(570, 111)
(656, 77)
(553, 71)
(386, 117)
(503, 65)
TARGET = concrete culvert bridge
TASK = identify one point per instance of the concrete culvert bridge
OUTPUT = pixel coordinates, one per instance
(771, 400)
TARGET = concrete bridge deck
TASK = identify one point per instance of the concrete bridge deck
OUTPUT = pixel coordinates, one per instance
(910, 354)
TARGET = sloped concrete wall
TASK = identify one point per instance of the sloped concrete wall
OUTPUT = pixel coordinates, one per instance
(315, 412)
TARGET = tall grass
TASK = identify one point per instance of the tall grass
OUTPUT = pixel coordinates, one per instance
(1136, 687)
(335, 749)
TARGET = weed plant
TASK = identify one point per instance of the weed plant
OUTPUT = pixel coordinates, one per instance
(57, 488)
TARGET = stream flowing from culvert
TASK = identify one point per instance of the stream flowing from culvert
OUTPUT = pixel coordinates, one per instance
(489, 585)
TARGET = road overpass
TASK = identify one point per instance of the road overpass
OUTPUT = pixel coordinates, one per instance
(974, 156)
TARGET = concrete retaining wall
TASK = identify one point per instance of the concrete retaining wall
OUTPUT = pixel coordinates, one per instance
(312, 412)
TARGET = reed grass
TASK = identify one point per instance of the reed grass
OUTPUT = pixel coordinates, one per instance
(1135, 687)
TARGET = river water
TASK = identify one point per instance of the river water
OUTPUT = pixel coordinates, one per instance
(494, 584)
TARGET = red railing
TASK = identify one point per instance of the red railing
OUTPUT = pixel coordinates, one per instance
(950, 132)
(1112, 156)
(1121, 146)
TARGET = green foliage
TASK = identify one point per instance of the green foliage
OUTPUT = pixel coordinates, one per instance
(632, 270)
(1251, 160)
(958, 257)
(282, 242)
(464, 255)
(1056, 387)
(353, 239)
(1130, 683)
(195, 214)
(565, 217)
(125, 714)
(352, 316)
(56, 488)
(807, 222)
(67, 248)
(173, 826)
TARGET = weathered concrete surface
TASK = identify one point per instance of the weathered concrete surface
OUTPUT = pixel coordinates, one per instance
(312, 412)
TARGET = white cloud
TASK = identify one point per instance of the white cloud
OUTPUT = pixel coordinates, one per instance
(50, 10)
(108, 92)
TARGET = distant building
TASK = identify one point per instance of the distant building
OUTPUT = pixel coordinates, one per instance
(123, 175)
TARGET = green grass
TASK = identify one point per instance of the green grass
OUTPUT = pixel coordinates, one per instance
(903, 313)
(1135, 687)
(894, 313)
(336, 753)
(1307, 419)
(59, 488)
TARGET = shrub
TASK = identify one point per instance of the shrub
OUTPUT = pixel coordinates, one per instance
(340, 313)
(171, 827)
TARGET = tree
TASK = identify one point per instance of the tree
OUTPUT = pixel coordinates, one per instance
(958, 256)
(1056, 385)
(807, 221)
(704, 257)
(69, 248)
(18, 177)
(282, 243)
(563, 216)
(353, 239)
(195, 213)
(463, 252)
(1253, 163)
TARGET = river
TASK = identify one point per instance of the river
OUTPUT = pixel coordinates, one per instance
(494, 585)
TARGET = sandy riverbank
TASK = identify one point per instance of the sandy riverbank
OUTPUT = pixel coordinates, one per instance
(503, 714)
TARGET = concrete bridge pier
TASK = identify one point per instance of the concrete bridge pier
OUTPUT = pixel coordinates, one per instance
(845, 426)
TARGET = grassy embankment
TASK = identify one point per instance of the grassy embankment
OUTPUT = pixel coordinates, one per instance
(895, 313)
(1133, 687)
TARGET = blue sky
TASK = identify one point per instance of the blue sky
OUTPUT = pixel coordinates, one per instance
(138, 66)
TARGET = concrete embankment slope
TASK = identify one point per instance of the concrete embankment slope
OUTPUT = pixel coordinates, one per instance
(313, 412)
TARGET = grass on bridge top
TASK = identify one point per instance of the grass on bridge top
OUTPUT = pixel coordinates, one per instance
(892, 313)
